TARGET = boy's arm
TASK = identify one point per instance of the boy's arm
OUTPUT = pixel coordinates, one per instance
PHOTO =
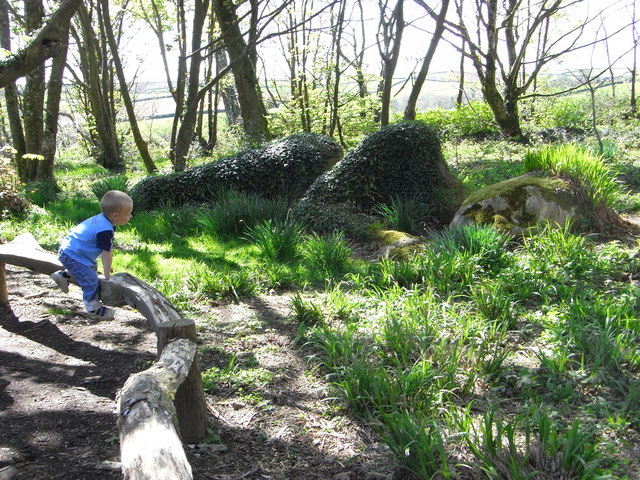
(107, 260)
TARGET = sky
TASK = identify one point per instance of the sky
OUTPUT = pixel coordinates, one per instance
(446, 61)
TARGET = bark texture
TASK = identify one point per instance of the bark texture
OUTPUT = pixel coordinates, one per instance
(49, 42)
(149, 444)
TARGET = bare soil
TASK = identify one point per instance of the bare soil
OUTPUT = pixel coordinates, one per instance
(61, 370)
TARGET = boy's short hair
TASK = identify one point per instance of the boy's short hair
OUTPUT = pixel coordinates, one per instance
(114, 200)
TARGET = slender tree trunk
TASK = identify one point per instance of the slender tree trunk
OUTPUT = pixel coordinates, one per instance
(51, 115)
(159, 31)
(33, 100)
(460, 96)
(124, 91)
(252, 109)
(227, 91)
(338, 27)
(181, 79)
(390, 55)
(187, 128)
(98, 86)
(634, 35)
(410, 109)
(10, 91)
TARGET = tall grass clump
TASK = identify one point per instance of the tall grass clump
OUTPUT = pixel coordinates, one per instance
(416, 443)
(233, 212)
(166, 223)
(212, 283)
(276, 240)
(42, 192)
(119, 182)
(485, 243)
(405, 214)
(588, 171)
(328, 256)
(532, 445)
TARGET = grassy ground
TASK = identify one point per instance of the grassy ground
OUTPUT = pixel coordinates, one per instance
(506, 359)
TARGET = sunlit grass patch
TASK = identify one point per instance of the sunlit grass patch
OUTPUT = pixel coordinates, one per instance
(587, 170)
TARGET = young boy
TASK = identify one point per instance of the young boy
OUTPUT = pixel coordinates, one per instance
(86, 242)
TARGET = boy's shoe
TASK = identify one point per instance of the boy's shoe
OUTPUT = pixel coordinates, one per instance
(103, 313)
(61, 280)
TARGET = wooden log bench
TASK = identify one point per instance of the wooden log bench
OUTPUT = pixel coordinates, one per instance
(157, 403)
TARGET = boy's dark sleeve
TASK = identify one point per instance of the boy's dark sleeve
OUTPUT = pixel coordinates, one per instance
(104, 240)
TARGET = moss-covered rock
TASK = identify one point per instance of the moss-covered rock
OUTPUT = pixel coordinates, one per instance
(401, 161)
(520, 204)
(398, 245)
(283, 168)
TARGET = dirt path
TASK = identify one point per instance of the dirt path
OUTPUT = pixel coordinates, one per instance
(61, 370)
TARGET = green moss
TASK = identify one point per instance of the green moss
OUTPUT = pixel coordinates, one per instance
(398, 245)
(388, 237)
(513, 189)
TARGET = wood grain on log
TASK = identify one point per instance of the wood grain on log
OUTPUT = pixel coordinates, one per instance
(150, 448)
(24, 251)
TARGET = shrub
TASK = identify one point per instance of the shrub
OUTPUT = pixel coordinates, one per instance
(472, 120)
(11, 202)
(401, 161)
(283, 168)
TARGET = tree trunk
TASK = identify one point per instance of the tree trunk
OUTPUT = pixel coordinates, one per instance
(505, 112)
(52, 111)
(124, 91)
(390, 56)
(252, 108)
(460, 96)
(334, 100)
(228, 91)
(184, 137)
(98, 86)
(181, 80)
(10, 90)
(634, 35)
(410, 108)
(33, 99)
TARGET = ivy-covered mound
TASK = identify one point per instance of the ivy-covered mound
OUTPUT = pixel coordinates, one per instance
(402, 161)
(283, 168)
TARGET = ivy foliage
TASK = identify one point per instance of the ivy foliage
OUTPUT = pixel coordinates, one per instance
(283, 168)
(401, 161)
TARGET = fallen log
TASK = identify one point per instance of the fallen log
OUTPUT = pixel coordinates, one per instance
(122, 289)
(149, 445)
(167, 323)
(25, 251)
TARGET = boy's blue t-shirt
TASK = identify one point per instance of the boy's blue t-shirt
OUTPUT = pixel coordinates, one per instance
(87, 240)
